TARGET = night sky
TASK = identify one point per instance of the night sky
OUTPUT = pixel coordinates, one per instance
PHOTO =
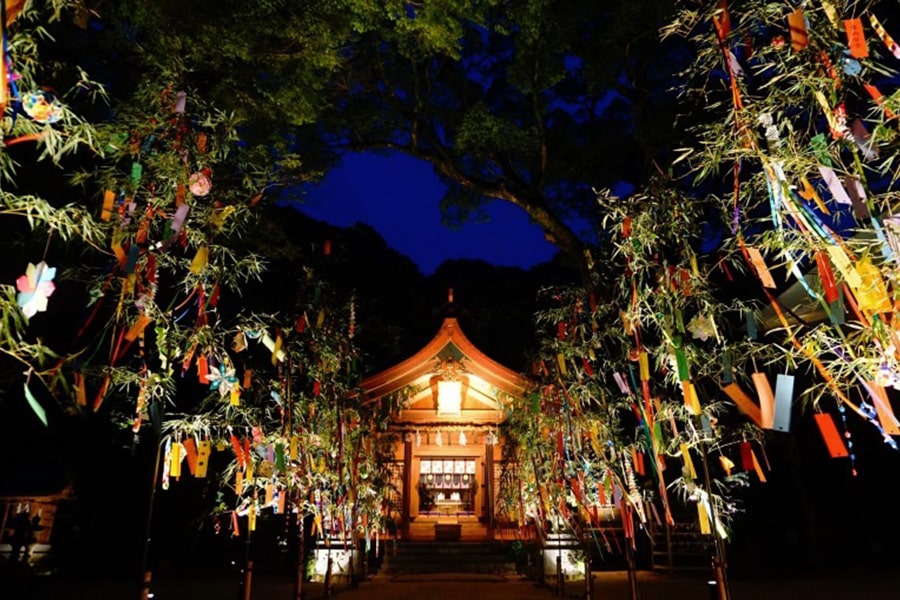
(399, 196)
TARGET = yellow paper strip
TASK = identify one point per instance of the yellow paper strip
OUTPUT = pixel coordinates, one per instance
(842, 262)
(561, 361)
(203, 451)
(200, 260)
(691, 401)
(705, 529)
(644, 362)
(872, 294)
(239, 482)
(175, 461)
(688, 463)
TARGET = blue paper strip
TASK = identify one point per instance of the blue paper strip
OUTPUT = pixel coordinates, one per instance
(784, 397)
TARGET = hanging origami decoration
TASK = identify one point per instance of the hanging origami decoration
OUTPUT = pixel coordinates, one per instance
(42, 107)
(701, 327)
(35, 286)
(222, 379)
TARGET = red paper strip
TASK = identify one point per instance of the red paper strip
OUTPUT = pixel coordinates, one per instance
(827, 277)
(856, 38)
(830, 435)
(202, 370)
(746, 456)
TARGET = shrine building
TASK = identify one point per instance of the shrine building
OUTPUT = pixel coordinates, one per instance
(451, 401)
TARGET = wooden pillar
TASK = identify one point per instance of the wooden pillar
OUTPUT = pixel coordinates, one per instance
(489, 488)
(407, 487)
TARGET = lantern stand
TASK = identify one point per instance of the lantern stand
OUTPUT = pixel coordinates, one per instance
(722, 591)
(146, 573)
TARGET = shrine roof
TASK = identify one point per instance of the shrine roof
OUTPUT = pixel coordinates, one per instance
(449, 343)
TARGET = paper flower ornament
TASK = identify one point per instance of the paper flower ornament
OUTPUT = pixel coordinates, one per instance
(199, 183)
(42, 107)
(222, 379)
(701, 328)
(35, 286)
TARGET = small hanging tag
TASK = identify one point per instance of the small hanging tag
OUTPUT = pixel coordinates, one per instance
(727, 375)
(200, 260)
(766, 400)
(750, 319)
(784, 398)
(856, 38)
(109, 200)
(204, 449)
(797, 25)
(137, 171)
(622, 383)
(830, 435)
(180, 101)
(561, 361)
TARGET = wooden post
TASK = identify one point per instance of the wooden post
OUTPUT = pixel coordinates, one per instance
(407, 487)
(301, 558)
(489, 488)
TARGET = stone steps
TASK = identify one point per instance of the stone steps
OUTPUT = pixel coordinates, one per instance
(417, 557)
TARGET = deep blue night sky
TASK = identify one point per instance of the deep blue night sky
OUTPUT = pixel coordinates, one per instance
(399, 196)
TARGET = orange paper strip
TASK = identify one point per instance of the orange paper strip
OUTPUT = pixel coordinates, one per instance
(691, 401)
(883, 408)
(830, 435)
(766, 400)
(190, 453)
(757, 467)
(743, 402)
(797, 25)
(137, 328)
(109, 198)
(762, 271)
(856, 38)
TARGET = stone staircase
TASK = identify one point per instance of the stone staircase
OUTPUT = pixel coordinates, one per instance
(681, 548)
(419, 557)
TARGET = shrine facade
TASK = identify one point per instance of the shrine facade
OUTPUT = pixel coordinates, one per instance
(451, 400)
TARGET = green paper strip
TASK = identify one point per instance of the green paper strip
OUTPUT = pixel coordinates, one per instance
(684, 373)
(751, 325)
(279, 458)
(727, 375)
(137, 171)
(35, 405)
(820, 149)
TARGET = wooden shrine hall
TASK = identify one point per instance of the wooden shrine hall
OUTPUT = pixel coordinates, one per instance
(451, 398)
